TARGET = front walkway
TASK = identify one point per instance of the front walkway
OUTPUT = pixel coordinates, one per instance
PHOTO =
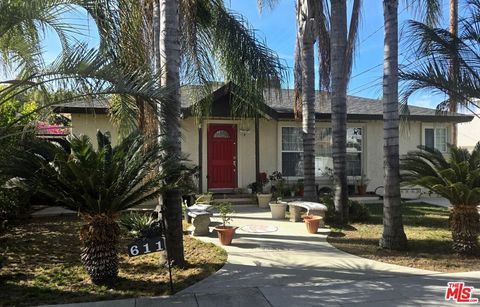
(289, 267)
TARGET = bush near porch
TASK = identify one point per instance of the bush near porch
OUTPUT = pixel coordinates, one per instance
(43, 266)
(429, 238)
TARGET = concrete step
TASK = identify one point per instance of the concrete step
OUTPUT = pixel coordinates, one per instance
(235, 201)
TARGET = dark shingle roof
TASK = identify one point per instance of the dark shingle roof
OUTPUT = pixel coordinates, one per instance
(281, 104)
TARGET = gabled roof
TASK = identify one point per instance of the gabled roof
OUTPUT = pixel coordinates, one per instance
(279, 105)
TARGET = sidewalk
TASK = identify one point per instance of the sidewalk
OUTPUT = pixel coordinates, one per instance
(289, 267)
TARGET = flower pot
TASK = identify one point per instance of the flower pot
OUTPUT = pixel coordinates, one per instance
(292, 193)
(263, 200)
(312, 222)
(278, 210)
(249, 191)
(362, 189)
(225, 234)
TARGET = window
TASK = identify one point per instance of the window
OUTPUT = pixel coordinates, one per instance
(221, 134)
(354, 151)
(436, 138)
(323, 151)
(292, 151)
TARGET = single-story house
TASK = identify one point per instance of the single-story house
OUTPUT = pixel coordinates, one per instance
(469, 132)
(231, 152)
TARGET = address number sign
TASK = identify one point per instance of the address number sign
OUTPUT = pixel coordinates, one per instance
(146, 246)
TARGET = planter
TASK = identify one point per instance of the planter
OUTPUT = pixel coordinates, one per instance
(312, 222)
(204, 198)
(278, 210)
(292, 193)
(225, 234)
(263, 200)
(249, 191)
(362, 189)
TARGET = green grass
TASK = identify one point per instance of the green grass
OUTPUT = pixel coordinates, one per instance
(429, 240)
(43, 267)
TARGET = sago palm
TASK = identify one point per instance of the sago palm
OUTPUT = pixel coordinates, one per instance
(456, 178)
(98, 184)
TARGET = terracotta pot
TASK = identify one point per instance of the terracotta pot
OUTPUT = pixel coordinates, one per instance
(263, 200)
(278, 210)
(362, 189)
(225, 234)
(312, 222)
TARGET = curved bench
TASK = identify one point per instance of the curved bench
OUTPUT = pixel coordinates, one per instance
(312, 208)
(200, 214)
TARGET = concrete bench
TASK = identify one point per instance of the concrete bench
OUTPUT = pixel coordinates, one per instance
(200, 214)
(312, 208)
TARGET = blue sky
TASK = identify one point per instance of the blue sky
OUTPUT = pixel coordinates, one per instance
(277, 28)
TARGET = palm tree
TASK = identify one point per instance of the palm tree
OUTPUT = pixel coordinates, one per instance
(439, 49)
(393, 236)
(342, 46)
(454, 64)
(458, 180)
(98, 184)
(313, 25)
(207, 38)
(23, 23)
(306, 79)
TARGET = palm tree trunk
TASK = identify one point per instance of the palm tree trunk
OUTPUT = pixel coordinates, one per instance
(170, 121)
(393, 236)
(305, 41)
(308, 120)
(99, 237)
(453, 105)
(339, 105)
(465, 225)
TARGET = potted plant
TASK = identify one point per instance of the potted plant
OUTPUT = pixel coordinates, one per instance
(362, 183)
(299, 188)
(252, 188)
(225, 233)
(312, 222)
(278, 209)
(263, 198)
(278, 184)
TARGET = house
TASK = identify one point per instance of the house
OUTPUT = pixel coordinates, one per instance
(469, 132)
(231, 152)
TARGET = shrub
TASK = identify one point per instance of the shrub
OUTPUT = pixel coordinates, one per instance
(140, 224)
(358, 212)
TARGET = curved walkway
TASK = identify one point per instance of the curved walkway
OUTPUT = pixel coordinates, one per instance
(290, 267)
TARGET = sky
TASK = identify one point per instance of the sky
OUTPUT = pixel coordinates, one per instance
(276, 27)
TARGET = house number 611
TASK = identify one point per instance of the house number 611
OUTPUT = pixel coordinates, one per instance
(145, 247)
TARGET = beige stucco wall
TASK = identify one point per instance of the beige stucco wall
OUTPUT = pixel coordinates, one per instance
(411, 135)
(469, 133)
(88, 124)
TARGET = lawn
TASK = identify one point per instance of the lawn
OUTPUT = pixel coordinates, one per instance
(428, 234)
(43, 266)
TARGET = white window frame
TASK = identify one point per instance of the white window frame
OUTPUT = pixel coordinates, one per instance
(435, 127)
(318, 125)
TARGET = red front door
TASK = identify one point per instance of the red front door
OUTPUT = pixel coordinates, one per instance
(222, 156)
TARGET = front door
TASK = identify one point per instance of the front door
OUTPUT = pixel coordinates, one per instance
(222, 156)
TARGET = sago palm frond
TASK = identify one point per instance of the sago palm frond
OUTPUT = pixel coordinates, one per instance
(93, 181)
